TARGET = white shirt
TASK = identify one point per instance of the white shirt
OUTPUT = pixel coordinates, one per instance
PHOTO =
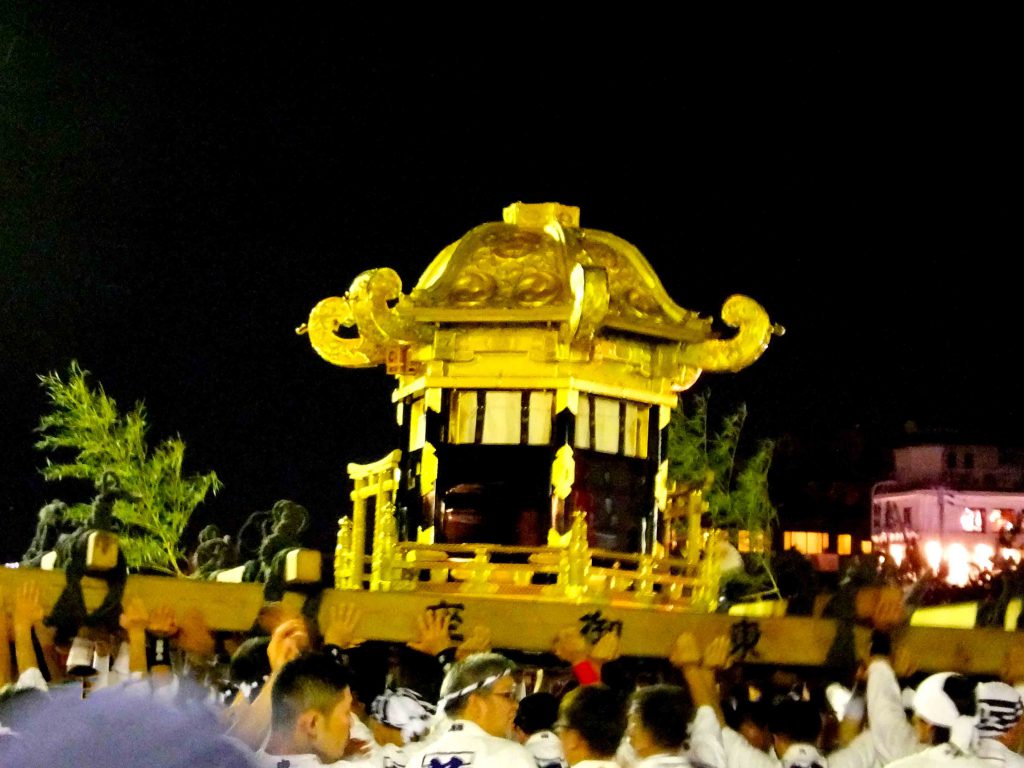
(546, 749)
(309, 760)
(713, 745)
(994, 753)
(465, 744)
(288, 761)
(859, 753)
(803, 754)
(891, 731)
(664, 761)
(393, 756)
(943, 754)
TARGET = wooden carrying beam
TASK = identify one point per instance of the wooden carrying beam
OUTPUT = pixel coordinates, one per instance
(532, 625)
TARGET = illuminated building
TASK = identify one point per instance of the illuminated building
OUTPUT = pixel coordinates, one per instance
(959, 506)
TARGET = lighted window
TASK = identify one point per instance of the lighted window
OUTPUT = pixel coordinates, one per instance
(743, 541)
(1002, 519)
(972, 520)
(805, 542)
(865, 547)
(892, 516)
(816, 543)
(503, 418)
(462, 417)
(583, 422)
(757, 542)
(606, 425)
(844, 544)
(542, 411)
(634, 435)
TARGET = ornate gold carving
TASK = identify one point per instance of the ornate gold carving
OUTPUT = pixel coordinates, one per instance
(636, 293)
(661, 485)
(755, 330)
(428, 469)
(325, 319)
(563, 472)
(343, 572)
(367, 305)
(384, 574)
(541, 215)
(590, 301)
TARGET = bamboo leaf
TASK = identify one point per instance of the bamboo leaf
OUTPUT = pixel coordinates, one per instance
(89, 437)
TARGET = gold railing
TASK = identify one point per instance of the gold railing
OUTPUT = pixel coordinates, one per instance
(574, 572)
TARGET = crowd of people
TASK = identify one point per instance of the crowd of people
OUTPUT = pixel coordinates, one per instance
(295, 692)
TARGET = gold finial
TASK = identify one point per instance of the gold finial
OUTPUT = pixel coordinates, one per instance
(540, 215)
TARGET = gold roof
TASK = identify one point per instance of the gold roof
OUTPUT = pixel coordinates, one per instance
(537, 268)
(523, 267)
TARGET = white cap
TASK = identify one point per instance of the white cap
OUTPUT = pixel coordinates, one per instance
(932, 703)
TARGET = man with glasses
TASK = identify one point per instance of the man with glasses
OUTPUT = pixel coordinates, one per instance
(480, 696)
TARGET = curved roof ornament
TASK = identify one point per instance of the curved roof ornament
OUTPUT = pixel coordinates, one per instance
(503, 287)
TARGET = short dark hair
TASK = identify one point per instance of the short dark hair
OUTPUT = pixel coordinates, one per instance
(598, 714)
(249, 663)
(313, 680)
(740, 710)
(537, 712)
(796, 720)
(470, 673)
(664, 711)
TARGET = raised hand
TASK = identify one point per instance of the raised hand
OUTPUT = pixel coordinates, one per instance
(607, 648)
(194, 636)
(27, 608)
(289, 640)
(570, 645)
(685, 651)
(718, 653)
(432, 632)
(340, 629)
(161, 622)
(134, 615)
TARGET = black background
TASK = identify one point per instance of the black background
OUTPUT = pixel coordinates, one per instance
(181, 185)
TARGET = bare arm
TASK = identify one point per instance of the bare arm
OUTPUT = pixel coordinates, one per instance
(253, 723)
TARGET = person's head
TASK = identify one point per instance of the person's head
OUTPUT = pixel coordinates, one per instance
(536, 712)
(591, 723)
(310, 705)
(399, 716)
(249, 666)
(1000, 710)
(793, 721)
(482, 689)
(658, 718)
(750, 720)
(938, 701)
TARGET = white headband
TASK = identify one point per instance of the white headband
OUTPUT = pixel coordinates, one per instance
(471, 687)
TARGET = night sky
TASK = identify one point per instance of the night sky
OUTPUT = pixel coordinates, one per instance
(179, 189)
